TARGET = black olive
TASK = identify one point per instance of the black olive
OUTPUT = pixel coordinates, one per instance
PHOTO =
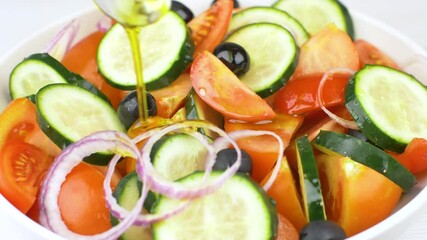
(227, 157)
(234, 56)
(236, 3)
(322, 230)
(128, 108)
(183, 11)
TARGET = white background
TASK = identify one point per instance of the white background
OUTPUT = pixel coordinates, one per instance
(21, 18)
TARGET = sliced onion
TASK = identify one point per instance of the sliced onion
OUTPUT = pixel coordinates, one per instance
(175, 190)
(341, 121)
(110, 141)
(220, 143)
(61, 42)
(104, 23)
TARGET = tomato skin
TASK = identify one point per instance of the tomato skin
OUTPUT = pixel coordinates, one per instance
(81, 59)
(286, 195)
(329, 48)
(264, 149)
(25, 153)
(369, 54)
(209, 28)
(356, 197)
(300, 95)
(223, 91)
(81, 201)
(172, 97)
(22, 169)
(415, 155)
(285, 229)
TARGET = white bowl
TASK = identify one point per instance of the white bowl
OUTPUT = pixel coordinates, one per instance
(387, 39)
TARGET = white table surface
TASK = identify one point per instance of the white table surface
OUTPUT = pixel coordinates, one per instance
(20, 18)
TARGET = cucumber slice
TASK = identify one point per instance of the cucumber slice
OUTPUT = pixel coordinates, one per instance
(315, 15)
(270, 15)
(39, 70)
(66, 113)
(333, 143)
(166, 49)
(197, 109)
(178, 155)
(127, 194)
(389, 106)
(273, 53)
(314, 205)
(240, 209)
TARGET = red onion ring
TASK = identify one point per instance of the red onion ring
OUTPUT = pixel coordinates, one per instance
(61, 42)
(98, 142)
(220, 143)
(171, 189)
(341, 121)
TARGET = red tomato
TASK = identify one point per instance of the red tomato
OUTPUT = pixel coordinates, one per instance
(369, 54)
(172, 97)
(22, 169)
(264, 149)
(299, 95)
(329, 48)
(287, 198)
(81, 201)
(415, 155)
(22, 160)
(209, 28)
(81, 59)
(224, 92)
(285, 229)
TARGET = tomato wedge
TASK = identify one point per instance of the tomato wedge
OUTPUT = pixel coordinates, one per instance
(224, 92)
(81, 59)
(369, 54)
(300, 95)
(264, 149)
(26, 153)
(286, 195)
(209, 28)
(329, 48)
(285, 229)
(172, 97)
(81, 201)
(415, 155)
(22, 169)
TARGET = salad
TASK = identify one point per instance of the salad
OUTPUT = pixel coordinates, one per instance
(318, 141)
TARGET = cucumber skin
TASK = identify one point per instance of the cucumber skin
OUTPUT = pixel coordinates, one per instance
(286, 75)
(269, 202)
(362, 119)
(366, 154)
(70, 77)
(315, 209)
(62, 142)
(178, 67)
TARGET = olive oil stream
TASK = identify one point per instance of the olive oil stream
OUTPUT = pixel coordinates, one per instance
(133, 15)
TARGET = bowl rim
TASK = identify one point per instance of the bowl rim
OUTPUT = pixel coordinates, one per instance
(403, 214)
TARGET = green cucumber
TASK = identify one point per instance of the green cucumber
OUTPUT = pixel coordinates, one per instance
(66, 113)
(315, 15)
(389, 106)
(127, 193)
(177, 155)
(197, 109)
(273, 53)
(270, 15)
(39, 70)
(166, 53)
(333, 143)
(240, 209)
(314, 205)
